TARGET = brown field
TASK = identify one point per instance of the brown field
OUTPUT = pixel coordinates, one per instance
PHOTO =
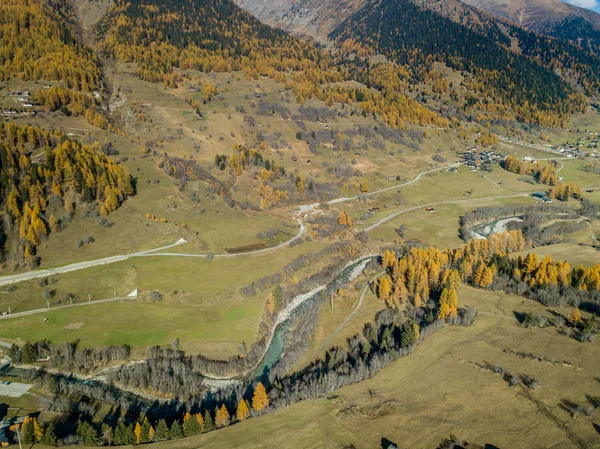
(440, 390)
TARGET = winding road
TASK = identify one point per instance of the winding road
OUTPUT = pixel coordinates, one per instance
(395, 214)
(309, 207)
(13, 279)
(226, 256)
(300, 211)
(530, 145)
(156, 252)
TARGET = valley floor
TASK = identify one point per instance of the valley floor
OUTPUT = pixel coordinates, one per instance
(440, 390)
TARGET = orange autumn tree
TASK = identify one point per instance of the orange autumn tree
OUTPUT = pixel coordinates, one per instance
(575, 316)
(384, 289)
(260, 400)
(68, 171)
(137, 431)
(448, 304)
(242, 412)
(271, 304)
(344, 219)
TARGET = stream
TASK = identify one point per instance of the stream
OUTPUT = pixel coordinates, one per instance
(276, 346)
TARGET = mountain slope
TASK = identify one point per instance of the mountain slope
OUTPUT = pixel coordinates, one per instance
(315, 18)
(219, 36)
(38, 42)
(515, 82)
(551, 17)
(536, 15)
(575, 65)
(213, 35)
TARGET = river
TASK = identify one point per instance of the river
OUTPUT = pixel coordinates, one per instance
(276, 347)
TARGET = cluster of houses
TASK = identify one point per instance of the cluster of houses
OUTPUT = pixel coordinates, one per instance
(575, 150)
(22, 96)
(569, 150)
(476, 160)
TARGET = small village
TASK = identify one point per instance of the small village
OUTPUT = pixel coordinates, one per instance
(479, 160)
(575, 150)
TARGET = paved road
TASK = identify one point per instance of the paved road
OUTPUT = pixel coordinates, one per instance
(376, 192)
(310, 207)
(52, 309)
(12, 279)
(530, 145)
(389, 217)
(225, 256)
(7, 280)
(156, 252)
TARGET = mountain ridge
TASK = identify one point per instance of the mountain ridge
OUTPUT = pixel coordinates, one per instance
(554, 18)
(535, 15)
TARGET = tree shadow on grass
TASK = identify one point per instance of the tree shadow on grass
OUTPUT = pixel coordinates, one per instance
(520, 316)
(387, 444)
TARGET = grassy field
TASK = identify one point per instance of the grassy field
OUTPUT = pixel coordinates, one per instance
(164, 120)
(439, 228)
(433, 188)
(438, 390)
(441, 390)
(572, 172)
(200, 299)
(212, 226)
(199, 328)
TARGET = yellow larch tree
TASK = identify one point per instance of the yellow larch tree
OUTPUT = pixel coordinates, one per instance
(242, 412)
(575, 316)
(137, 431)
(260, 400)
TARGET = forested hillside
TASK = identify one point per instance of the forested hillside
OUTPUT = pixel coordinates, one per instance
(62, 175)
(513, 81)
(213, 35)
(37, 43)
(219, 36)
(575, 61)
(578, 30)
